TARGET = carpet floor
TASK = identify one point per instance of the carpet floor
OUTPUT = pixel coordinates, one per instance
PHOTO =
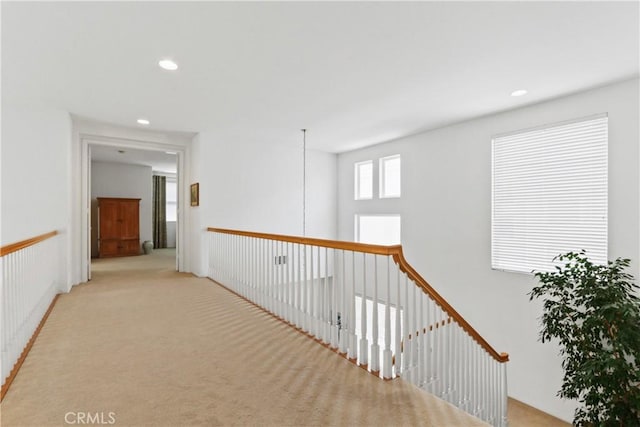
(143, 345)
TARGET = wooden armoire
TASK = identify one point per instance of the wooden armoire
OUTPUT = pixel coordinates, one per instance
(119, 232)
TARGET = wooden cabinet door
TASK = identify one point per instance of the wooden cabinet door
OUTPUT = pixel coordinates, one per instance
(109, 219)
(129, 220)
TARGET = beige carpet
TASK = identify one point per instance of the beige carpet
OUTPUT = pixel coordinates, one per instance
(155, 347)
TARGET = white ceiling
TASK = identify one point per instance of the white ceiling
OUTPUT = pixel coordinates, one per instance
(354, 73)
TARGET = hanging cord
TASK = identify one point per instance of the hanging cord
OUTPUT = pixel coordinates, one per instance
(304, 182)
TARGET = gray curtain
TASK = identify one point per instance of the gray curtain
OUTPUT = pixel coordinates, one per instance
(159, 201)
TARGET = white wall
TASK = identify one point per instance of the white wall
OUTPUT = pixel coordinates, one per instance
(446, 223)
(126, 181)
(256, 187)
(36, 147)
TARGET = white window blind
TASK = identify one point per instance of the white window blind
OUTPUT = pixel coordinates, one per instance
(550, 195)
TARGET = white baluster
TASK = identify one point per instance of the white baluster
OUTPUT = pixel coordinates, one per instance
(450, 358)
(398, 343)
(363, 358)
(503, 394)
(492, 393)
(442, 353)
(421, 338)
(299, 290)
(223, 259)
(305, 292)
(483, 383)
(351, 320)
(238, 267)
(415, 377)
(225, 246)
(456, 375)
(265, 274)
(234, 259)
(272, 278)
(284, 274)
(314, 293)
(239, 270)
(255, 256)
(466, 371)
(319, 297)
(429, 347)
(240, 264)
(231, 272)
(326, 332)
(344, 309)
(280, 288)
(375, 347)
(478, 382)
(386, 356)
(248, 270)
(406, 347)
(289, 264)
(435, 349)
(336, 311)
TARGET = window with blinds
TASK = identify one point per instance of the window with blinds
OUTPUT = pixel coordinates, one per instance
(549, 194)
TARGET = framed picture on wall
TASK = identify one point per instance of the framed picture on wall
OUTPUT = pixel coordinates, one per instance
(195, 194)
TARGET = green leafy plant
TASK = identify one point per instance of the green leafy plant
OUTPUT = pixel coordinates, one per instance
(594, 312)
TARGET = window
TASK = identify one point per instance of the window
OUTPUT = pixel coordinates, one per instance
(390, 177)
(171, 191)
(549, 195)
(378, 229)
(364, 180)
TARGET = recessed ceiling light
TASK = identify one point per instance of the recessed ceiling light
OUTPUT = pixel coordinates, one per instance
(143, 121)
(171, 152)
(168, 64)
(519, 92)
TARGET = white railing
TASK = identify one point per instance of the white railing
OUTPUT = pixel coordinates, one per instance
(370, 305)
(29, 271)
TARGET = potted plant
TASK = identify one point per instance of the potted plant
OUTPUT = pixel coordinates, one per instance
(594, 312)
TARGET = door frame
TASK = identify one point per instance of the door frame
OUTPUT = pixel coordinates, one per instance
(182, 225)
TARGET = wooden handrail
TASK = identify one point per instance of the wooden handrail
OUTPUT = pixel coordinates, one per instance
(396, 252)
(335, 244)
(14, 247)
(413, 274)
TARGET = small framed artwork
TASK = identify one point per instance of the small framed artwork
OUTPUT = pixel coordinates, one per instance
(195, 194)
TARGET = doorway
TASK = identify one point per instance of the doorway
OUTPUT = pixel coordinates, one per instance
(115, 150)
